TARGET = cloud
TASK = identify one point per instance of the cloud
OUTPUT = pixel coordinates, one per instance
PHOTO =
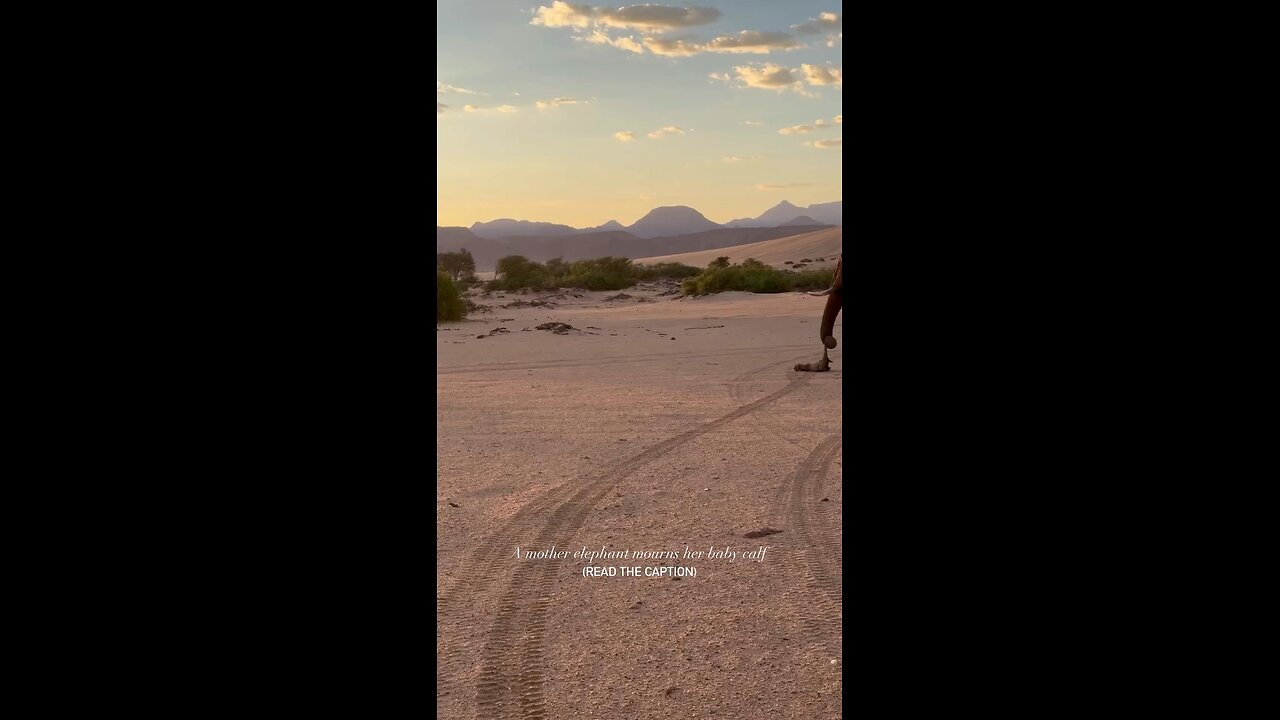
(591, 24)
(557, 102)
(747, 41)
(445, 88)
(767, 77)
(663, 132)
(651, 18)
(599, 37)
(497, 109)
(753, 123)
(741, 158)
(826, 22)
(833, 40)
(672, 48)
(783, 186)
(440, 107)
(823, 144)
(819, 75)
(821, 123)
(658, 18)
(750, 41)
(624, 136)
(721, 77)
(796, 130)
(839, 119)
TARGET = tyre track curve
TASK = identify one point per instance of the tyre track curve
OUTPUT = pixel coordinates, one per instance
(814, 586)
(509, 675)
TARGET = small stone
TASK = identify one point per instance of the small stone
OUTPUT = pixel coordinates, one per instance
(454, 504)
(826, 500)
(761, 532)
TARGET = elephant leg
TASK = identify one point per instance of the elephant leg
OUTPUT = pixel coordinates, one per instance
(829, 313)
(834, 301)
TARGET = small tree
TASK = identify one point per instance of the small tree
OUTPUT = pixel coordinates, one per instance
(557, 268)
(456, 264)
(720, 262)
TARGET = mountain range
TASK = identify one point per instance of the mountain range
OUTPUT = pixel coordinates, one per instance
(662, 231)
(669, 221)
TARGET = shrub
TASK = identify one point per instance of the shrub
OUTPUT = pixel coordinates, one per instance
(448, 301)
(664, 270)
(754, 276)
(516, 272)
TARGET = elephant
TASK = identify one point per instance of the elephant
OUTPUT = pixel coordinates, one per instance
(835, 299)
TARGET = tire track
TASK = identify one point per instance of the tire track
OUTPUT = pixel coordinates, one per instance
(815, 591)
(738, 391)
(509, 680)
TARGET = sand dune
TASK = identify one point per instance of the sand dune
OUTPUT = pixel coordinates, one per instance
(581, 246)
(826, 244)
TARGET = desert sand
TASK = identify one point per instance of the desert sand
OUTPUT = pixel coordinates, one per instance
(825, 244)
(656, 423)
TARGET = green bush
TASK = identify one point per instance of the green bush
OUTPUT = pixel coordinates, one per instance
(664, 270)
(516, 272)
(448, 301)
(754, 276)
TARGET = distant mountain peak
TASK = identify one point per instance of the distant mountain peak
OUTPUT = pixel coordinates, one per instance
(802, 220)
(671, 220)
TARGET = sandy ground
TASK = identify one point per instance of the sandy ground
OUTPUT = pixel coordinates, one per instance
(658, 423)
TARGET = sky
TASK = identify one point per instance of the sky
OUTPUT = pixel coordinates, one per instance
(580, 114)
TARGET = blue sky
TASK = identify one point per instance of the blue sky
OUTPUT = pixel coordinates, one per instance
(579, 114)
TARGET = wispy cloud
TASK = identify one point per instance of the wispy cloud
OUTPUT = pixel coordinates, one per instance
(741, 158)
(750, 41)
(753, 123)
(822, 123)
(672, 48)
(819, 75)
(600, 37)
(557, 102)
(824, 144)
(624, 136)
(783, 186)
(445, 89)
(796, 130)
(666, 131)
(440, 107)
(826, 22)
(502, 109)
(651, 18)
(839, 119)
(747, 41)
